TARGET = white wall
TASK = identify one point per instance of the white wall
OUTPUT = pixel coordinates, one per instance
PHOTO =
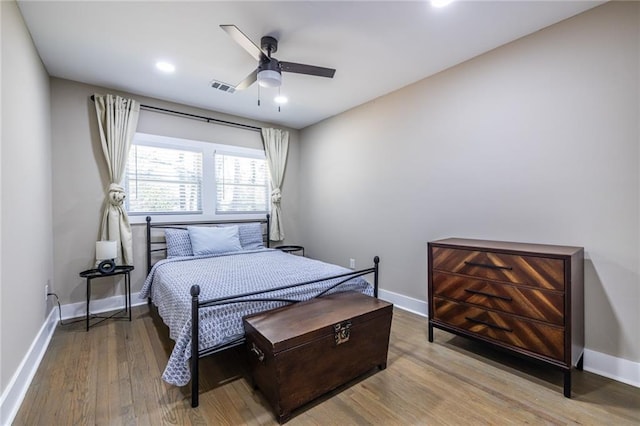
(536, 141)
(80, 176)
(26, 251)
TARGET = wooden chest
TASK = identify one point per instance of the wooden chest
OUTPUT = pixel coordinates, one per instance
(527, 298)
(302, 351)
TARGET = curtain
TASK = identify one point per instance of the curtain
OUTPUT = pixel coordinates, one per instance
(276, 146)
(117, 121)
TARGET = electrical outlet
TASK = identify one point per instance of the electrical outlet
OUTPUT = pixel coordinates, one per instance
(352, 263)
(46, 291)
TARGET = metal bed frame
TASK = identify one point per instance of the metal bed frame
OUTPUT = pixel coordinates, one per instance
(197, 304)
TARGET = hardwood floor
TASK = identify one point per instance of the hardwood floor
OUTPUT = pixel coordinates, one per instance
(111, 376)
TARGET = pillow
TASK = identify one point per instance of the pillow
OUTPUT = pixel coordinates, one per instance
(213, 240)
(178, 242)
(251, 236)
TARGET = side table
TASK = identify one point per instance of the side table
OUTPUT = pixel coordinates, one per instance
(291, 249)
(125, 270)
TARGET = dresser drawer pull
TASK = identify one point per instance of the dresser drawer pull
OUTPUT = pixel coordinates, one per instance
(488, 324)
(487, 265)
(497, 296)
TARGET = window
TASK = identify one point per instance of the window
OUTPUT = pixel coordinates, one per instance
(194, 180)
(241, 184)
(163, 180)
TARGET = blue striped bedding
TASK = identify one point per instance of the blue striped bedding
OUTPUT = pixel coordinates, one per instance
(170, 281)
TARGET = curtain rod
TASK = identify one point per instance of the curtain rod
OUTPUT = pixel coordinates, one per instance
(197, 117)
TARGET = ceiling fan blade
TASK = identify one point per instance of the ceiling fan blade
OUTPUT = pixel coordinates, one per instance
(307, 69)
(248, 81)
(244, 41)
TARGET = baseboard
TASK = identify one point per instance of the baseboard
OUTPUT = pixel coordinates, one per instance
(79, 309)
(615, 368)
(619, 369)
(406, 303)
(15, 391)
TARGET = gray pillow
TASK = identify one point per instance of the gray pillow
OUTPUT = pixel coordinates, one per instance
(178, 242)
(251, 236)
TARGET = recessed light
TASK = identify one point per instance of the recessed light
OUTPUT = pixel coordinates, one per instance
(440, 3)
(165, 66)
(281, 99)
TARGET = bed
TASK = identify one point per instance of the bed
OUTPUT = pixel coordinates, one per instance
(202, 296)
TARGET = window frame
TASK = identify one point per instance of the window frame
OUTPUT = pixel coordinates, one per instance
(208, 188)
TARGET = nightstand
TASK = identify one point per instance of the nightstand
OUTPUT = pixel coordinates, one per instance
(291, 249)
(91, 274)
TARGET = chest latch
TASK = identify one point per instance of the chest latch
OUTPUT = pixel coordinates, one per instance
(342, 331)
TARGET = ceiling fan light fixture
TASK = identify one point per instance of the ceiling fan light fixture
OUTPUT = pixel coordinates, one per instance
(269, 78)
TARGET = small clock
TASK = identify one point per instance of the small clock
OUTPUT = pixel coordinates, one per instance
(107, 266)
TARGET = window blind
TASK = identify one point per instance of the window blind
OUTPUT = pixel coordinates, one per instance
(163, 180)
(242, 184)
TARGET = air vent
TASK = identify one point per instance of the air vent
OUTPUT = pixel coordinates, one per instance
(225, 87)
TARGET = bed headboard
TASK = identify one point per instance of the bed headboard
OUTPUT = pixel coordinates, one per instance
(158, 245)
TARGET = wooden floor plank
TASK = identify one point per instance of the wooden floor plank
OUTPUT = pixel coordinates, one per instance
(111, 375)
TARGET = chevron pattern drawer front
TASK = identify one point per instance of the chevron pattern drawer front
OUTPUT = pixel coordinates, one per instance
(526, 298)
(527, 270)
(535, 336)
(531, 303)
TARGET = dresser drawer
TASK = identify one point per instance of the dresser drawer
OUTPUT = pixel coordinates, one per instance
(537, 304)
(533, 336)
(543, 272)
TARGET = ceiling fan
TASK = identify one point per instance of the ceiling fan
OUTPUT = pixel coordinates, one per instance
(269, 70)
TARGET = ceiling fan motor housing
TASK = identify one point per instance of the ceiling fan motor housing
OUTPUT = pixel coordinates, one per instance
(270, 64)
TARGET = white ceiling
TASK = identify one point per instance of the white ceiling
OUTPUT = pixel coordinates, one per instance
(375, 46)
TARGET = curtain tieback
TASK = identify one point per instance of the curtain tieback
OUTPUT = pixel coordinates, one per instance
(116, 194)
(276, 195)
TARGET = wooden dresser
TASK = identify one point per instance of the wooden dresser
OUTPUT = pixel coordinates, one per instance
(526, 298)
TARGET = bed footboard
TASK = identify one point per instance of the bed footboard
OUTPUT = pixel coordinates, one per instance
(196, 305)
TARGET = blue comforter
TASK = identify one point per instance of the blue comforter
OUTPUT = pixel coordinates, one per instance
(170, 281)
